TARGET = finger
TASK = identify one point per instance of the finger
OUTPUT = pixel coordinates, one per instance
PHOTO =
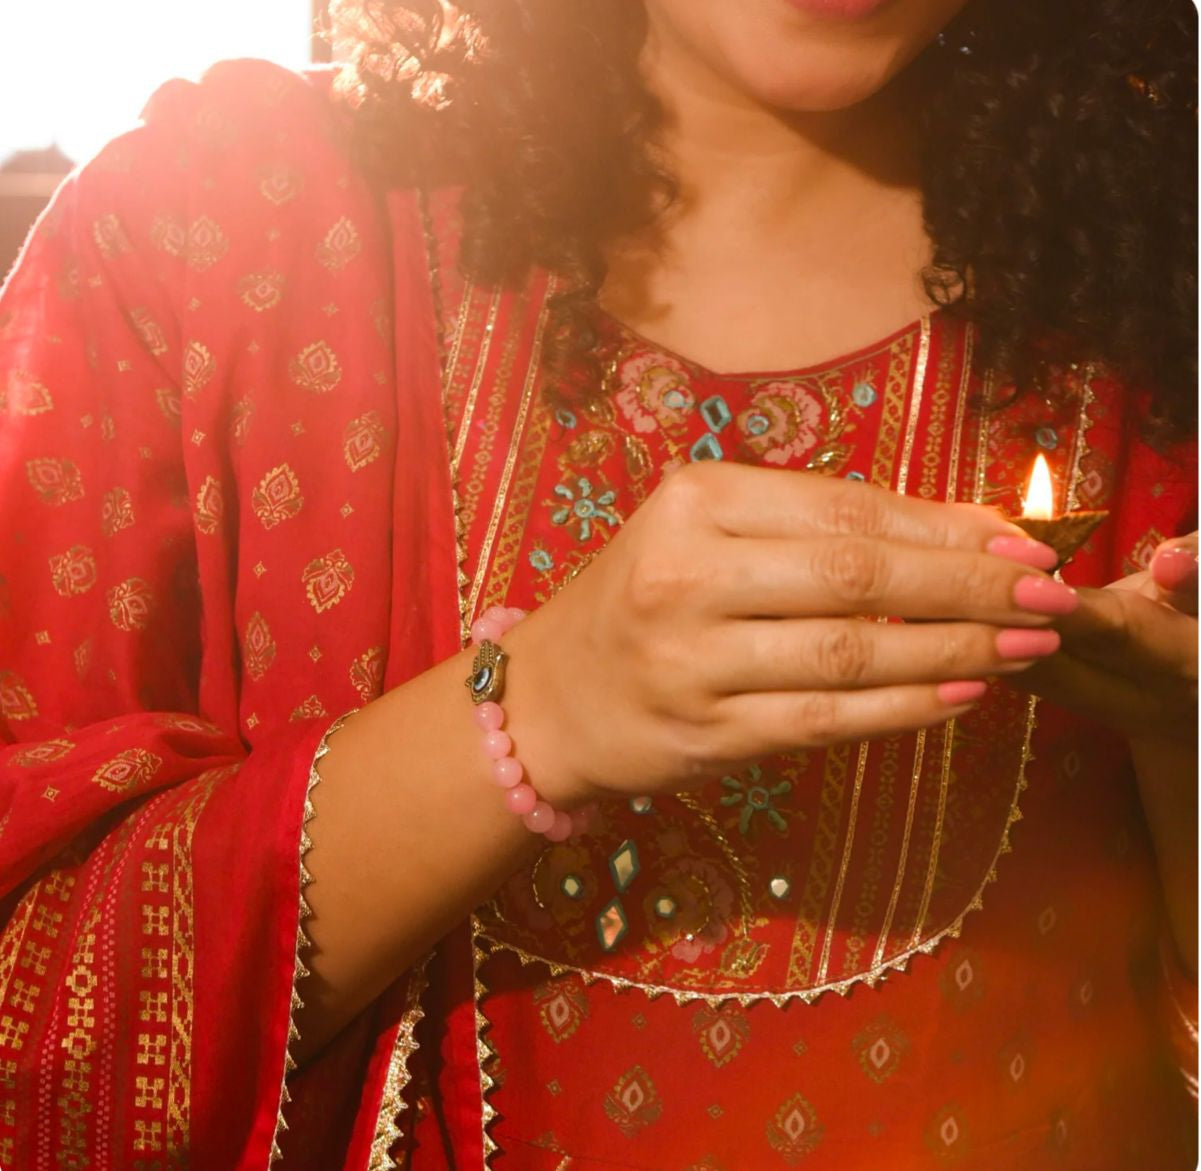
(854, 575)
(1174, 571)
(766, 722)
(764, 502)
(1113, 700)
(820, 654)
(1131, 636)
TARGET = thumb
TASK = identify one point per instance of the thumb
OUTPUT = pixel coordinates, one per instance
(1174, 570)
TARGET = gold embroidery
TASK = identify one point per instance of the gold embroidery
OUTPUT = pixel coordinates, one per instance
(340, 246)
(489, 428)
(206, 244)
(821, 864)
(128, 770)
(848, 845)
(362, 441)
(116, 511)
(110, 236)
(56, 481)
(73, 572)
(25, 395)
(316, 368)
(367, 673)
(960, 412)
(16, 700)
(915, 405)
(261, 291)
(892, 402)
(258, 647)
(209, 506)
(518, 431)
(198, 368)
(923, 910)
(129, 604)
(481, 364)
(277, 496)
(327, 580)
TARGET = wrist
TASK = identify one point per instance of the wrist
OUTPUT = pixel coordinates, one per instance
(538, 722)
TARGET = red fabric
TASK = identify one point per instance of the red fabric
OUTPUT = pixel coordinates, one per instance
(187, 507)
(226, 518)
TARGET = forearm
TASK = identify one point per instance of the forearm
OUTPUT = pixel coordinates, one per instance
(1167, 778)
(409, 834)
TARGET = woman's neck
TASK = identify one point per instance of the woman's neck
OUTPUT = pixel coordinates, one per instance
(794, 237)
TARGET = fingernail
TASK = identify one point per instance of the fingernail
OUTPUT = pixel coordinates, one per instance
(960, 691)
(1025, 551)
(1174, 567)
(1044, 595)
(1027, 644)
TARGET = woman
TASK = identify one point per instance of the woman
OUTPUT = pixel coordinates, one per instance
(298, 387)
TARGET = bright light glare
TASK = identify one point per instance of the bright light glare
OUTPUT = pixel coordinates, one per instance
(77, 72)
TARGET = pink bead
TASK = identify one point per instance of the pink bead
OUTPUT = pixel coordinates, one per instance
(521, 799)
(506, 772)
(560, 830)
(484, 631)
(489, 716)
(514, 615)
(540, 818)
(497, 744)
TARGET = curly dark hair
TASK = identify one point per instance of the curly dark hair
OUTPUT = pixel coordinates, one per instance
(1059, 166)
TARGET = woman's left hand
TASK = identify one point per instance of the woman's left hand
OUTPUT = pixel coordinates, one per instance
(1129, 652)
(1129, 660)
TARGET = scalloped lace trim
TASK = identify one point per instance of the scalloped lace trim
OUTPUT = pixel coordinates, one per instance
(303, 943)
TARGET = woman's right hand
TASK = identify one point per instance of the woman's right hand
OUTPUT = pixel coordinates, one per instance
(726, 621)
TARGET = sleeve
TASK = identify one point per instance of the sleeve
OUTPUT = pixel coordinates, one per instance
(150, 882)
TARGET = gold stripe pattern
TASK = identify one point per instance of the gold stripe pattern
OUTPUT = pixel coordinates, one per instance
(852, 822)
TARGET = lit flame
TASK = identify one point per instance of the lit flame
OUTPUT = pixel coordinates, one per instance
(1039, 501)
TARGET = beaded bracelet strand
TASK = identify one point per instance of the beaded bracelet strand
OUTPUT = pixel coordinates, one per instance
(486, 685)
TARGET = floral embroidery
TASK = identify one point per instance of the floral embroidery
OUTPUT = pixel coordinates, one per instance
(127, 770)
(16, 700)
(794, 1131)
(655, 391)
(633, 1103)
(755, 797)
(73, 572)
(129, 604)
(783, 422)
(582, 509)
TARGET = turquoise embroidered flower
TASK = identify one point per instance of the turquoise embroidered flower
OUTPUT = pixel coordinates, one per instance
(581, 510)
(756, 798)
(541, 559)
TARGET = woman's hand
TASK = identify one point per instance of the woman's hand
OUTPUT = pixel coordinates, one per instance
(726, 621)
(1130, 660)
(1129, 656)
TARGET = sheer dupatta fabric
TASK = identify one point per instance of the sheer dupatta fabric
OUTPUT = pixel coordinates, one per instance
(201, 448)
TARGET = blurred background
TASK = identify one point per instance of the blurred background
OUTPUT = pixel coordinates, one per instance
(78, 72)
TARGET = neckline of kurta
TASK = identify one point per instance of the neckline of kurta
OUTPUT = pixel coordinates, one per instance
(698, 371)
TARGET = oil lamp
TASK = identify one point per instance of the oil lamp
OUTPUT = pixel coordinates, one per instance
(1065, 532)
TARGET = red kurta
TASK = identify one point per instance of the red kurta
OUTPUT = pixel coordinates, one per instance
(230, 368)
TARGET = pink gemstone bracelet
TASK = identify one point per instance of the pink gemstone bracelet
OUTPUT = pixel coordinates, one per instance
(486, 685)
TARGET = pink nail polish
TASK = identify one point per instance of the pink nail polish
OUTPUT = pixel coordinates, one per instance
(1027, 644)
(960, 691)
(1024, 551)
(1045, 595)
(1174, 568)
